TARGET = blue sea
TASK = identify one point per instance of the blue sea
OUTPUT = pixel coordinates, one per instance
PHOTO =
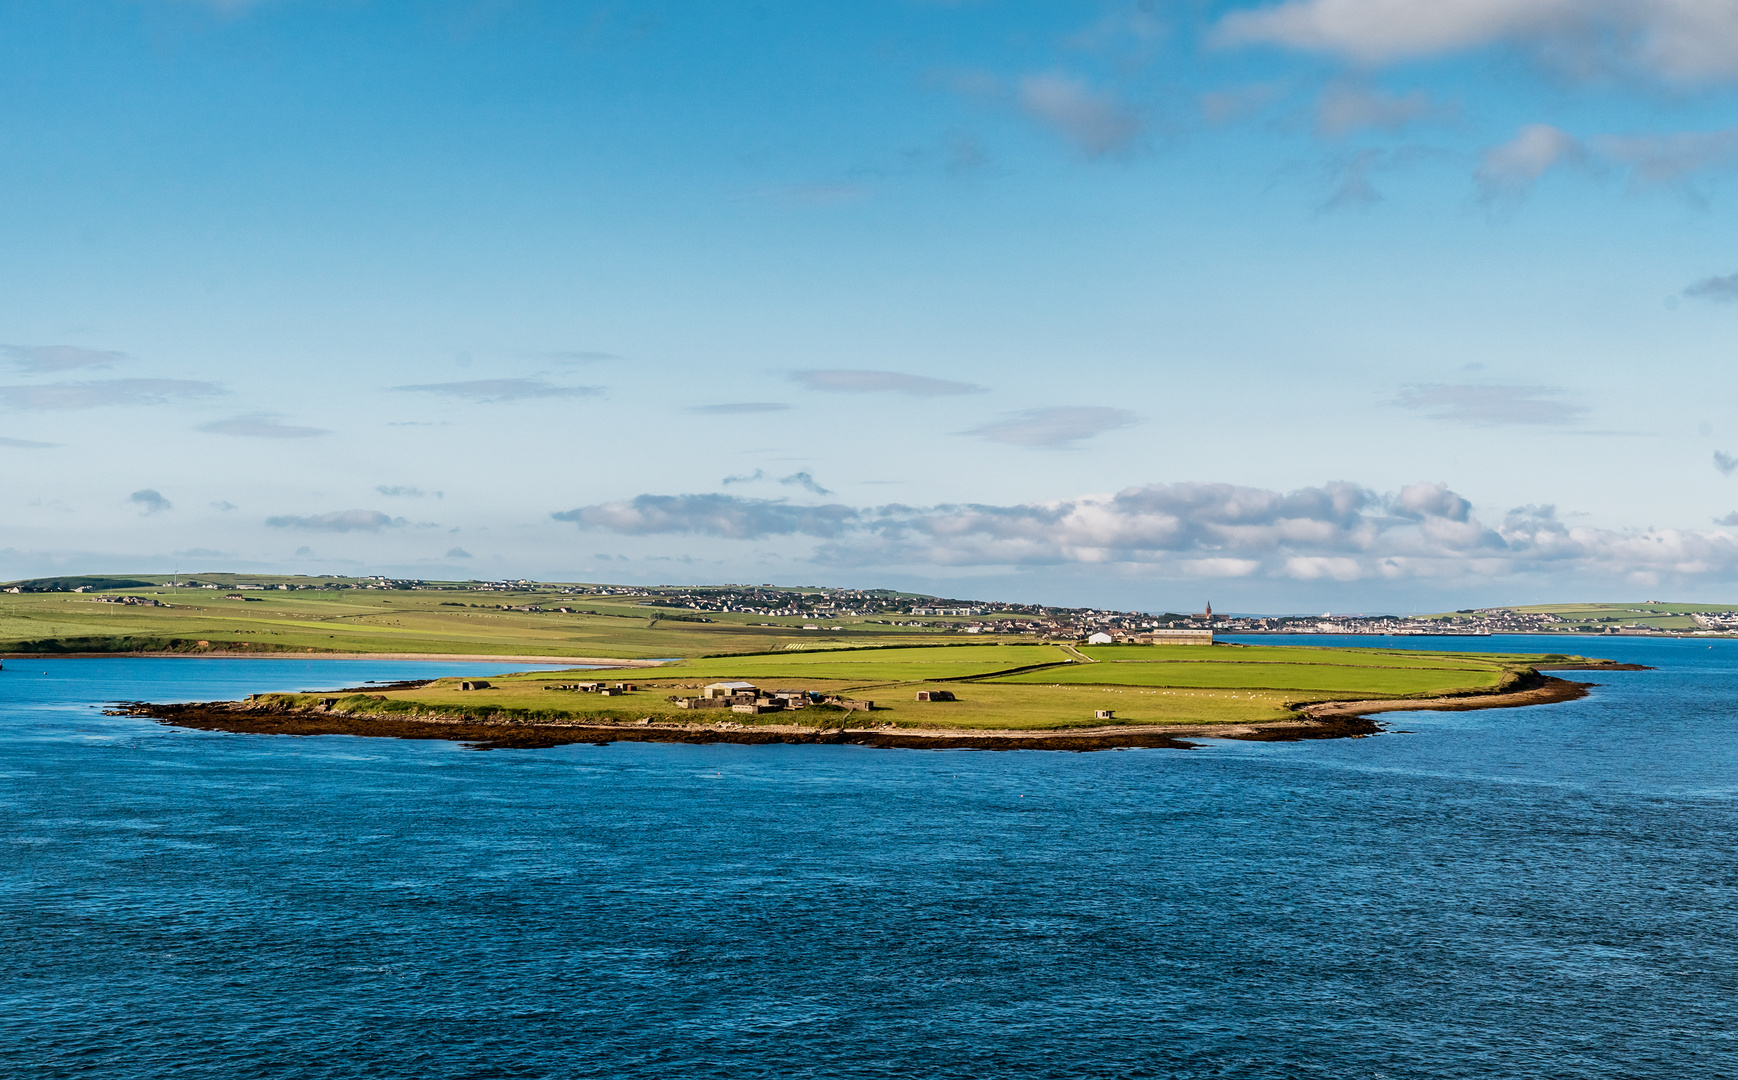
(1540, 892)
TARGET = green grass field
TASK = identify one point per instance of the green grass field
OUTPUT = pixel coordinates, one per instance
(1223, 684)
(384, 621)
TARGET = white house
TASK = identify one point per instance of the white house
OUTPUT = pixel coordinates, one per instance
(728, 689)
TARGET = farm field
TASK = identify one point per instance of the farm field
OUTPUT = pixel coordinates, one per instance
(1242, 687)
(443, 621)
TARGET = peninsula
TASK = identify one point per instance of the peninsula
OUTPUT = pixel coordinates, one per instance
(757, 664)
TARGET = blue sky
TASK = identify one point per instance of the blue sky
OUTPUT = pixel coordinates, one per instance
(1329, 304)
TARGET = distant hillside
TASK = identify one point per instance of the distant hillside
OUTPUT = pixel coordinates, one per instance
(68, 584)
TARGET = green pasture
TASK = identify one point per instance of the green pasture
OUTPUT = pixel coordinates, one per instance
(1222, 684)
(981, 705)
(1303, 654)
(374, 621)
(874, 665)
(1316, 678)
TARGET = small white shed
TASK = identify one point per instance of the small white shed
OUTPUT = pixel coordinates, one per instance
(1100, 638)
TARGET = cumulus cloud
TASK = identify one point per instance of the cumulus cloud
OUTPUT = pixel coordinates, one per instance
(712, 515)
(458, 553)
(338, 521)
(260, 426)
(1678, 40)
(847, 381)
(1337, 531)
(495, 390)
(739, 408)
(1511, 169)
(150, 501)
(1661, 159)
(1491, 406)
(1344, 108)
(1094, 121)
(25, 444)
(1057, 426)
(745, 478)
(1725, 463)
(46, 358)
(92, 395)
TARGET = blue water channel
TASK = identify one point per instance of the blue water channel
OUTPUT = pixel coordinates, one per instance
(1540, 892)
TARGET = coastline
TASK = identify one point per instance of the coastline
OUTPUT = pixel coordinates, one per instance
(1314, 720)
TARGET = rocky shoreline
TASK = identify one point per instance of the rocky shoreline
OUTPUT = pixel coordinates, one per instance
(1318, 720)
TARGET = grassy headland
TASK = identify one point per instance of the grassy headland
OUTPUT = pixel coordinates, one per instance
(822, 653)
(998, 690)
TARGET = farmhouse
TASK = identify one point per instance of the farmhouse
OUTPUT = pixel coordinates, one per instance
(728, 689)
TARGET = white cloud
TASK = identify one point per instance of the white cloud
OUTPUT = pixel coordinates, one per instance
(92, 395)
(494, 390)
(1057, 426)
(1335, 532)
(806, 482)
(1679, 40)
(1722, 290)
(712, 515)
(59, 357)
(1344, 108)
(1094, 121)
(260, 426)
(1491, 406)
(26, 444)
(150, 501)
(1511, 170)
(338, 521)
(853, 381)
(740, 408)
(1669, 157)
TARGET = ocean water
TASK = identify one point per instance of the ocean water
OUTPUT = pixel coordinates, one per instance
(1543, 892)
